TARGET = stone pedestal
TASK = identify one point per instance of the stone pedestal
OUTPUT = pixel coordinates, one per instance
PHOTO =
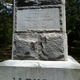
(40, 70)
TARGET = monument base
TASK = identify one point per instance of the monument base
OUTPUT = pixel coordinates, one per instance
(40, 70)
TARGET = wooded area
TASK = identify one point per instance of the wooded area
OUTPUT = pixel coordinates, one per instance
(73, 29)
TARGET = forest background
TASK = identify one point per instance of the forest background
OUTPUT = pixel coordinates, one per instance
(73, 29)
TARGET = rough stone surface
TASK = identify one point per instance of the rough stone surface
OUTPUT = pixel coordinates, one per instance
(39, 30)
(40, 70)
(37, 2)
(42, 46)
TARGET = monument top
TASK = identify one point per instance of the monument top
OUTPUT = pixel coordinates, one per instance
(38, 2)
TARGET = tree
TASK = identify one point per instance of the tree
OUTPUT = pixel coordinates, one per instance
(5, 26)
(73, 22)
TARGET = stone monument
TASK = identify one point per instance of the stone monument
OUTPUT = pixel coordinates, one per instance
(39, 30)
(39, 50)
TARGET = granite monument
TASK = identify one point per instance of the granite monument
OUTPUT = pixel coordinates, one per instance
(39, 50)
(39, 30)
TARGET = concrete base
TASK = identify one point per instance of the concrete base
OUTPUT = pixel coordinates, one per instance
(40, 70)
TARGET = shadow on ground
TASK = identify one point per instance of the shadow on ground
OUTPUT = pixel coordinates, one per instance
(75, 53)
(5, 53)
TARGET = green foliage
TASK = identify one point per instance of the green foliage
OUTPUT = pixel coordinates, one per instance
(5, 27)
(9, 1)
(73, 22)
